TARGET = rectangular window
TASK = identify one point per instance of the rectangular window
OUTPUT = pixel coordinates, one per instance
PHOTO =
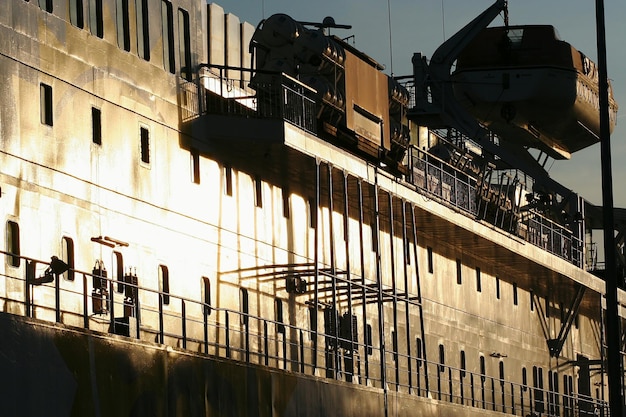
(206, 295)
(45, 103)
(515, 296)
(429, 253)
(145, 145)
(13, 243)
(67, 255)
(76, 13)
(286, 207)
(442, 358)
(497, 288)
(394, 345)
(46, 5)
(243, 305)
(184, 44)
(96, 22)
(143, 30)
(278, 311)
(459, 276)
(258, 193)
(532, 301)
(96, 126)
(167, 22)
(164, 283)
(418, 351)
(479, 286)
(195, 166)
(368, 339)
(118, 269)
(312, 213)
(123, 25)
(228, 180)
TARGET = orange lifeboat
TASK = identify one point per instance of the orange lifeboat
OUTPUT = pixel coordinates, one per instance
(532, 88)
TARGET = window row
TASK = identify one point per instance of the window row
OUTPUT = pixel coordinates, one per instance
(123, 28)
(122, 275)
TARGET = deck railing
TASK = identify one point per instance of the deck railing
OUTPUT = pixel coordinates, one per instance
(102, 304)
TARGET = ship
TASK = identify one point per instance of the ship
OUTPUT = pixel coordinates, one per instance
(202, 216)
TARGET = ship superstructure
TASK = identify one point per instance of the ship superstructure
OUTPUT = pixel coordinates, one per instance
(202, 216)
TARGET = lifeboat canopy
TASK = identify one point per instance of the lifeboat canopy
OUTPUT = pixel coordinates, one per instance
(531, 88)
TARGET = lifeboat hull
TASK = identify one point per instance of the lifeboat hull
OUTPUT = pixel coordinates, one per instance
(553, 107)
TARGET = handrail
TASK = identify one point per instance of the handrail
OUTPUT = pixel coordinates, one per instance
(253, 339)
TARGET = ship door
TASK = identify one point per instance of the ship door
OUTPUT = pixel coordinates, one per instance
(585, 402)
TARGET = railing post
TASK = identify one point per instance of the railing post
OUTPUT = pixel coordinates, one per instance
(205, 314)
(110, 300)
(30, 276)
(247, 335)
(138, 313)
(301, 351)
(85, 303)
(161, 332)
(266, 345)
(227, 336)
(184, 322)
(57, 297)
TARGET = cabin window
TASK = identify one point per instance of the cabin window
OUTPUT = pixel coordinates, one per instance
(118, 269)
(96, 126)
(429, 253)
(206, 294)
(184, 45)
(144, 135)
(479, 286)
(195, 166)
(46, 5)
(123, 25)
(459, 276)
(67, 255)
(278, 315)
(442, 358)
(243, 306)
(483, 373)
(368, 339)
(164, 283)
(515, 301)
(76, 13)
(312, 322)
(13, 243)
(45, 103)
(312, 212)
(497, 288)
(538, 389)
(228, 180)
(143, 29)
(286, 207)
(258, 192)
(96, 23)
(167, 22)
(463, 364)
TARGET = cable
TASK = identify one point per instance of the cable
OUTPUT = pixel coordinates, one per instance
(390, 37)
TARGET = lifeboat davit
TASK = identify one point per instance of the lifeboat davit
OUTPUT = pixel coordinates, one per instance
(530, 87)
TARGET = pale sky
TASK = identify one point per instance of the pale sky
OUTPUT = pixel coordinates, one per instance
(422, 25)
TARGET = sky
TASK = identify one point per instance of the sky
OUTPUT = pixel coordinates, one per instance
(422, 25)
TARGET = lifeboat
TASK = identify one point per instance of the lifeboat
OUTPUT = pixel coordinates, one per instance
(532, 88)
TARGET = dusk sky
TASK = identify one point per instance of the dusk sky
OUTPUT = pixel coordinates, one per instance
(422, 25)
